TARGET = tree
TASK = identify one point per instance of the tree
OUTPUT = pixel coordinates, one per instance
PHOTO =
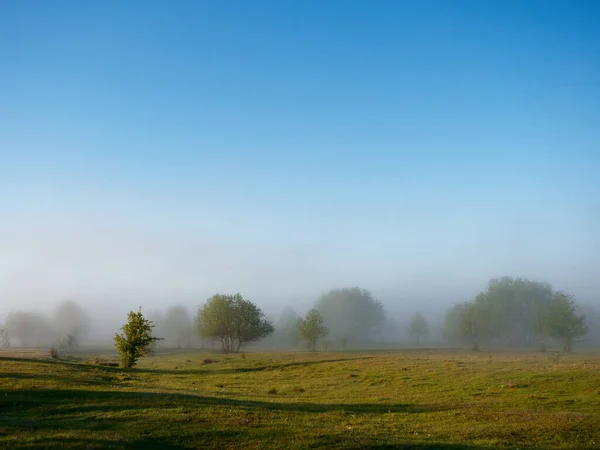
(232, 321)
(136, 340)
(512, 310)
(288, 326)
(418, 327)
(177, 327)
(4, 338)
(563, 323)
(71, 323)
(464, 324)
(312, 328)
(29, 329)
(351, 312)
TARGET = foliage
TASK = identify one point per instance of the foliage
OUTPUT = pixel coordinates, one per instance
(232, 321)
(464, 323)
(71, 323)
(69, 342)
(136, 340)
(312, 328)
(563, 323)
(4, 338)
(351, 312)
(29, 329)
(177, 327)
(418, 327)
(288, 326)
(515, 313)
(53, 352)
(512, 310)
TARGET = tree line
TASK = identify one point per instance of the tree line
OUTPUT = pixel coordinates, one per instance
(517, 312)
(511, 312)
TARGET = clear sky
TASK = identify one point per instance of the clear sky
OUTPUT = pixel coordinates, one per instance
(279, 148)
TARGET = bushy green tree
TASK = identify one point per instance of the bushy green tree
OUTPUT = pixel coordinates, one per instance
(418, 327)
(563, 323)
(512, 310)
(465, 324)
(312, 328)
(351, 312)
(136, 340)
(516, 312)
(232, 321)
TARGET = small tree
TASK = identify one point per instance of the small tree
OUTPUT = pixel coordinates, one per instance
(312, 328)
(563, 323)
(69, 342)
(232, 321)
(136, 340)
(4, 339)
(418, 327)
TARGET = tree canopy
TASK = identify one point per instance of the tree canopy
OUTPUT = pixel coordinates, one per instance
(418, 327)
(29, 329)
(176, 327)
(351, 313)
(312, 328)
(232, 321)
(563, 323)
(71, 323)
(515, 312)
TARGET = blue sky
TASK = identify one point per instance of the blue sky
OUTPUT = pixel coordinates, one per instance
(393, 145)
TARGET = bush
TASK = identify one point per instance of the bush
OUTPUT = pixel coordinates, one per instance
(53, 352)
(272, 391)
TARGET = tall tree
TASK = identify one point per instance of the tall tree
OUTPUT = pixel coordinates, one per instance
(288, 326)
(136, 340)
(563, 323)
(465, 324)
(512, 310)
(177, 327)
(351, 312)
(71, 323)
(232, 321)
(312, 328)
(418, 327)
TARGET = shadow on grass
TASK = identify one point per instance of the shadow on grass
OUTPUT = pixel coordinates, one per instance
(70, 401)
(71, 443)
(132, 420)
(84, 365)
(80, 378)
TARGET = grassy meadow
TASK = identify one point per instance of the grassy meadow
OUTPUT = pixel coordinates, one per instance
(389, 399)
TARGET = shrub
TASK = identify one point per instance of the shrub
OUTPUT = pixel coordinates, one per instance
(272, 391)
(136, 340)
(53, 352)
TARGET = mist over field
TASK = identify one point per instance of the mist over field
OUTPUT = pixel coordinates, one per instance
(109, 272)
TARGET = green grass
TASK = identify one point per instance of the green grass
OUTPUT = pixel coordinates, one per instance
(404, 399)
